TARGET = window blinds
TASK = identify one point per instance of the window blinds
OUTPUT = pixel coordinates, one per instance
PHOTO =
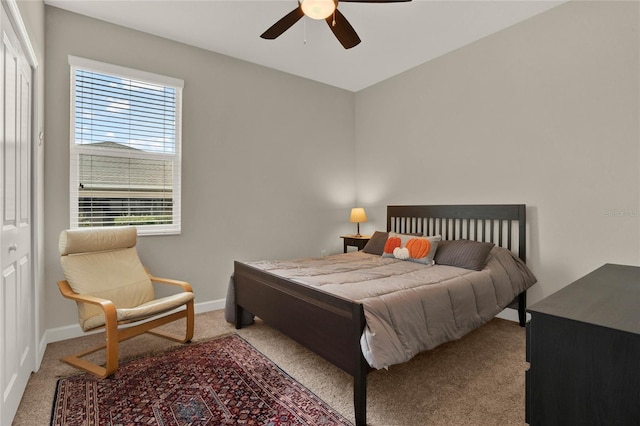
(125, 149)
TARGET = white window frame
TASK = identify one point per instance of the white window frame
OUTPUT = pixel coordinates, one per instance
(77, 149)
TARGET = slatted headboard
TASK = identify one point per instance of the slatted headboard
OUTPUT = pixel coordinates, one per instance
(501, 224)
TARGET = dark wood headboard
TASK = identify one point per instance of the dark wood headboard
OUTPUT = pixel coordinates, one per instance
(501, 224)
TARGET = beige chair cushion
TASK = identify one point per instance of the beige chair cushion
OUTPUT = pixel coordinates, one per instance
(145, 310)
(96, 239)
(104, 263)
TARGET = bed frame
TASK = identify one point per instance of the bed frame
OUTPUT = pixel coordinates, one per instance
(331, 326)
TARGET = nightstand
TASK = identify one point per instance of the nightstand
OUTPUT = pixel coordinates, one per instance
(354, 241)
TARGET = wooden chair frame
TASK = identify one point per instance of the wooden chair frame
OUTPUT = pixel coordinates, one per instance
(115, 334)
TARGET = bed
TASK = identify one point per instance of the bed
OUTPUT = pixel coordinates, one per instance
(336, 325)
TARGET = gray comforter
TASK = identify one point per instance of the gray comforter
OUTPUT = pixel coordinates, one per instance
(411, 307)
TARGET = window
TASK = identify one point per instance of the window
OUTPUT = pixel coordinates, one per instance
(125, 148)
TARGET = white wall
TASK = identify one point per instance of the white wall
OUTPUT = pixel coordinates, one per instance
(544, 113)
(260, 179)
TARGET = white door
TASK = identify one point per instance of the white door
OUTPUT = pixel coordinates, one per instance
(16, 298)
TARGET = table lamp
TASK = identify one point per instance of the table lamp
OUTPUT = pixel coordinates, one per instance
(358, 215)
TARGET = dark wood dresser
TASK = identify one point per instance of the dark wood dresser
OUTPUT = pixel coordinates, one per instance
(583, 347)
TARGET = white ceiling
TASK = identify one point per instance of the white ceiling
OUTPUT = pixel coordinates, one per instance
(395, 36)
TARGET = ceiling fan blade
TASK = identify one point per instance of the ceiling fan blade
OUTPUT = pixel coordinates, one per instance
(343, 30)
(283, 24)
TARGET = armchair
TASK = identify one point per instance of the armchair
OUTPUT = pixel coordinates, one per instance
(114, 291)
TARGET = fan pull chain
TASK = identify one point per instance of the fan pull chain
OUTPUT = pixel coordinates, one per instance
(333, 23)
(304, 26)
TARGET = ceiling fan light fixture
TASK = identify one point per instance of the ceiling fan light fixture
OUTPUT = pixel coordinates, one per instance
(321, 9)
(318, 9)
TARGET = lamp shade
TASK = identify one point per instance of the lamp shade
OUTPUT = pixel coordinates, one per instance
(358, 215)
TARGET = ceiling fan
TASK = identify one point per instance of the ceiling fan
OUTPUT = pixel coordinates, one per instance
(322, 9)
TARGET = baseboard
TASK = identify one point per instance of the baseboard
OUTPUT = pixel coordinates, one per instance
(42, 346)
(511, 315)
(72, 331)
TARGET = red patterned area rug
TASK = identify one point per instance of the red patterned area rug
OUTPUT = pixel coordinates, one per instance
(225, 381)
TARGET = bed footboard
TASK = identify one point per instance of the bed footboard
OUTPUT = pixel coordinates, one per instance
(328, 325)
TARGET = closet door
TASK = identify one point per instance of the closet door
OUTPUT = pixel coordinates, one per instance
(16, 289)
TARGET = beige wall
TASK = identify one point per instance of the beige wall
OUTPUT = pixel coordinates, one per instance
(544, 113)
(260, 178)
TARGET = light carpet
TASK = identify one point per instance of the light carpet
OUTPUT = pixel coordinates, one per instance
(477, 380)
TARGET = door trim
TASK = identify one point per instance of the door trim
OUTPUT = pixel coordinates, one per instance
(37, 344)
(37, 139)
